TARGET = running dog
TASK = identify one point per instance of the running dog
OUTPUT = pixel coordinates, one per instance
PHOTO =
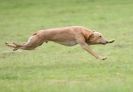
(68, 36)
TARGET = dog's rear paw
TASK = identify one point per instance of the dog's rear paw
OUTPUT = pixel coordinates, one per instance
(11, 45)
(15, 49)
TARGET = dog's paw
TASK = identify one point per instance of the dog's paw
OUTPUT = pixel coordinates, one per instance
(102, 58)
(15, 49)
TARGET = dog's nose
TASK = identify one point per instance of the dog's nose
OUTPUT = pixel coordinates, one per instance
(105, 42)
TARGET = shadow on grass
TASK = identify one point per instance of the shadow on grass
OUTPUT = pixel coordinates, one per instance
(6, 54)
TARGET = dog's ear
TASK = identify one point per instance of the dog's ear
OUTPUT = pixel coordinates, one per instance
(34, 34)
(90, 35)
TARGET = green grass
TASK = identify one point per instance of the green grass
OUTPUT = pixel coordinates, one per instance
(56, 68)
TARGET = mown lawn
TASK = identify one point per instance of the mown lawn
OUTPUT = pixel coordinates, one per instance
(56, 68)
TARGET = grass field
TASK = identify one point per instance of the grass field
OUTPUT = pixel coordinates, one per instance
(56, 68)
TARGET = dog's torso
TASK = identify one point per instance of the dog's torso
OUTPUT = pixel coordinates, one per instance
(65, 36)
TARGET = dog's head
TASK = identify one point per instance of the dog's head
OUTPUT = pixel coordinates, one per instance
(98, 38)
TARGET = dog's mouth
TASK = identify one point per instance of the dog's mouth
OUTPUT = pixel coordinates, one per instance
(104, 43)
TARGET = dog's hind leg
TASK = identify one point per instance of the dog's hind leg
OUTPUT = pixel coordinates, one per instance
(33, 42)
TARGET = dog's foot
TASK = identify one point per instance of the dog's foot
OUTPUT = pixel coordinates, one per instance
(102, 58)
(15, 49)
(12, 45)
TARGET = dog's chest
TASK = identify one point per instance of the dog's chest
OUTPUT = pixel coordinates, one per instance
(67, 43)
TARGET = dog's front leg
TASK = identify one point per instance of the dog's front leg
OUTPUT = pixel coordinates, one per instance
(88, 49)
(85, 46)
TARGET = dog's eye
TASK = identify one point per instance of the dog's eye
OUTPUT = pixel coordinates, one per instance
(100, 36)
